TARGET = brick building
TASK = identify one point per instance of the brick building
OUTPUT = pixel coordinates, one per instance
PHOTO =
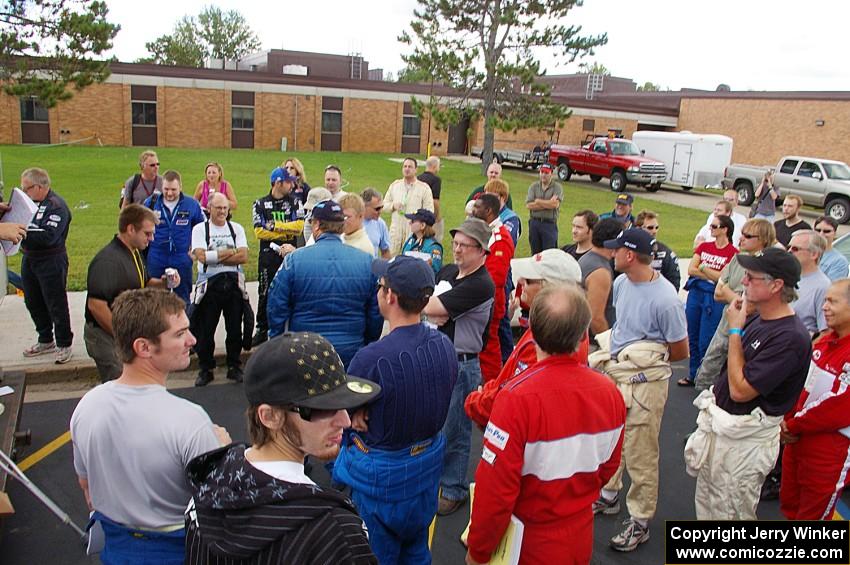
(150, 106)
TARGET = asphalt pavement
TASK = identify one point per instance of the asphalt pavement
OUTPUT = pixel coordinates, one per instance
(33, 535)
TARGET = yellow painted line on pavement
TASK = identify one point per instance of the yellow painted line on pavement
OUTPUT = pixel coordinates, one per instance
(45, 451)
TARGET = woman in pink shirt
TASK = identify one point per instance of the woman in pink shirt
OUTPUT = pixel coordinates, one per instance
(214, 182)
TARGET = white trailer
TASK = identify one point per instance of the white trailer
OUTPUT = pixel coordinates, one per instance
(692, 159)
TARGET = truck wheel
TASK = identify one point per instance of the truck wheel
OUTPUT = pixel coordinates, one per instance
(595, 178)
(618, 181)
(564, 171)
(498, 158)
(838, 209)
(653, 187)
(746, 194)
(687, 188)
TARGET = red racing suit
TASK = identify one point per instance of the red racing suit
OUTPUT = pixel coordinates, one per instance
(553, 440)
(498, 264)
(479, 403)
(815, 468)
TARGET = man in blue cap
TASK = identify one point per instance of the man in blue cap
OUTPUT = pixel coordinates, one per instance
(649, 333)
(278, 220)
(622, 211)
(327, 288)
(393, 458)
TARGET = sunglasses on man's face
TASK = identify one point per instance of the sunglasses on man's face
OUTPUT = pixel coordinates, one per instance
(312, 414)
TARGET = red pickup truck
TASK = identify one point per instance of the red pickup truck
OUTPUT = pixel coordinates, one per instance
(619, 160)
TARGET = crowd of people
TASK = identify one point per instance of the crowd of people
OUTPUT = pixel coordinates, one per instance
(377, 355)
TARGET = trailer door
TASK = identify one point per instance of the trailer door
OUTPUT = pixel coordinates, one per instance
(681, 173)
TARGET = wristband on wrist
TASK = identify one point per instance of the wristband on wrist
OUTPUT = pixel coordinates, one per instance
(736, 331)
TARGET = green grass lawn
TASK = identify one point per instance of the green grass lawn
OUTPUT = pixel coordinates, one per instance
(89, 179)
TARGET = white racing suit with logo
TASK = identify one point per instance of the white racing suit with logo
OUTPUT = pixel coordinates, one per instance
(730, 456)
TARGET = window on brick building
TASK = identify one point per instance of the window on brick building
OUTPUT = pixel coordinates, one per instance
(588, 125)
(143, 115)
(411, 127)
(331, 123)
(242, 120)
(35, 126)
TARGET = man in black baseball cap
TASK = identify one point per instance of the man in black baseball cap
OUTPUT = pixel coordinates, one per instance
(393, 460)
(298, 394)
(769, 355)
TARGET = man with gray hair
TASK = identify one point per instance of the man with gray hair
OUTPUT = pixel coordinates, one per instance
(737, 440)
(808, 247)
(429, 177)
(143, 184)
(44, 268)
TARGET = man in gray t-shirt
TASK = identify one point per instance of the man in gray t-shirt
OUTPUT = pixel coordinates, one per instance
(544, 204)
(648, 309)
(808, 247)
(143, 184)
(133, 439)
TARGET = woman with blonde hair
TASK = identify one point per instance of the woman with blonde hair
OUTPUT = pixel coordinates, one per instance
(300, 189)
(212, 183)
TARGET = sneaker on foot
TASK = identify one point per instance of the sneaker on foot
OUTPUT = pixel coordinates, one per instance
(770, 488)
(632, 536)
(605, 506)
(234, 374)
(39, 349)
(204, 378)
(63, 355)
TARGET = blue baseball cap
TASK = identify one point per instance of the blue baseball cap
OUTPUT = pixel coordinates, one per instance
(279, 174)
(636, 239)
(328, 211)
(406, 276)
(423, 215)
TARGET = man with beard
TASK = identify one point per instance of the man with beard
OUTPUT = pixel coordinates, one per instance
(255, 504)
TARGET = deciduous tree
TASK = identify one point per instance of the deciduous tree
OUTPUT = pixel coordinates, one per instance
(49, 48)
(213, 33)
(486, 51)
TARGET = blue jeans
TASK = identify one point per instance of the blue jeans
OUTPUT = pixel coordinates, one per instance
(703, 314)
(458, 428)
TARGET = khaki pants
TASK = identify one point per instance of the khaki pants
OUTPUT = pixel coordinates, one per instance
(640, 448)
(101, 348)
(729, 482)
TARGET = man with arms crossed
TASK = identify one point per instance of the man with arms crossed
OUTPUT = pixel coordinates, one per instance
(552, 441)
(543, 203)
(769, 354)
(651, 320)
(133, 439)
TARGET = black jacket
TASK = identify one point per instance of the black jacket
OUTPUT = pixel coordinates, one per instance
(666, 262)
(48, 229)
(241, 515)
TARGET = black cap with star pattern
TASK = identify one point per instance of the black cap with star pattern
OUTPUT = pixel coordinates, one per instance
(303, 369)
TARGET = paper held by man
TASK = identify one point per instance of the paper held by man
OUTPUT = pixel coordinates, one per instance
(21, 211)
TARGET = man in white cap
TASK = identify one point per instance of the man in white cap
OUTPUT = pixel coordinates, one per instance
(552, 266)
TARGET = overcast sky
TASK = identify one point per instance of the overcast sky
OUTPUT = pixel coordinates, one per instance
(747, 44)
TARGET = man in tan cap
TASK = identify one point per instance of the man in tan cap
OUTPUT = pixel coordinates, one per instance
(461, 306)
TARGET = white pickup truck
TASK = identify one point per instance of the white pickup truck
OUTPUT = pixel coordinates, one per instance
(819, 182)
